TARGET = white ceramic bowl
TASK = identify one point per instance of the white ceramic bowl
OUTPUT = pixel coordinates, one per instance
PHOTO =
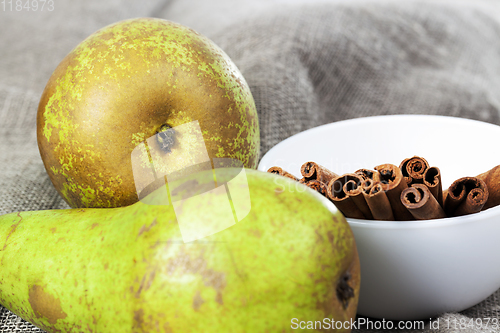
(412, 269)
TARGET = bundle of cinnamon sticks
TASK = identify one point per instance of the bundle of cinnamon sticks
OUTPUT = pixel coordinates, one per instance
(410, 191)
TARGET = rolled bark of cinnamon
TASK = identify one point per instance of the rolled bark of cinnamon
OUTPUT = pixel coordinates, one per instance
(335, 192)
(421, 203)
(368, 174)
(475, 202)
(394, 183)
(466, 195)
(312, 170)
(318, 186)
(367, 185)
(492, 180)
(413, 169)
(432, 179)
(279, 171)
(353, 188)
(377, 200)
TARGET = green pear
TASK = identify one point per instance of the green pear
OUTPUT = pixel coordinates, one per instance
(127, 82)
(291, 261)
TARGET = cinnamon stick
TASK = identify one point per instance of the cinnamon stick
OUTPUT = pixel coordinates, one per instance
(432, 179)
(492, 180)
(368, 174)
(318, 186)
(367, 184)
(279, 171)
(377, 200)
(353, 188)
(394, 183)
(466, 195)
(312, 170)
(421, 203)
(475, 202)
(413, 169)
(336, 193)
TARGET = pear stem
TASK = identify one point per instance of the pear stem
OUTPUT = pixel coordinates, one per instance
(165, 137)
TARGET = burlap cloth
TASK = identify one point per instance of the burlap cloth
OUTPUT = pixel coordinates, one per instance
(307, 63)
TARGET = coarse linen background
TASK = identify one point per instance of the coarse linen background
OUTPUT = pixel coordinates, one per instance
(307, 63)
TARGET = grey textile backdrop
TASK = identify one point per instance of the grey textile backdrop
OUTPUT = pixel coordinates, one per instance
(307, 63)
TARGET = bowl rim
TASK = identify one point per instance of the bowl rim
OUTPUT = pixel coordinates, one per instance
(486, 215)
(385, 116)
(398, 225)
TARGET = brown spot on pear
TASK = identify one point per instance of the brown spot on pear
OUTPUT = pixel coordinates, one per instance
(45, 305)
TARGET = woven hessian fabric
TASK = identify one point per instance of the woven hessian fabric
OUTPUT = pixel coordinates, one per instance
(306, 65)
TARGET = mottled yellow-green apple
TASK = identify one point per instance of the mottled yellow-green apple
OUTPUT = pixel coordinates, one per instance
(291, 261)
(122, 85)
